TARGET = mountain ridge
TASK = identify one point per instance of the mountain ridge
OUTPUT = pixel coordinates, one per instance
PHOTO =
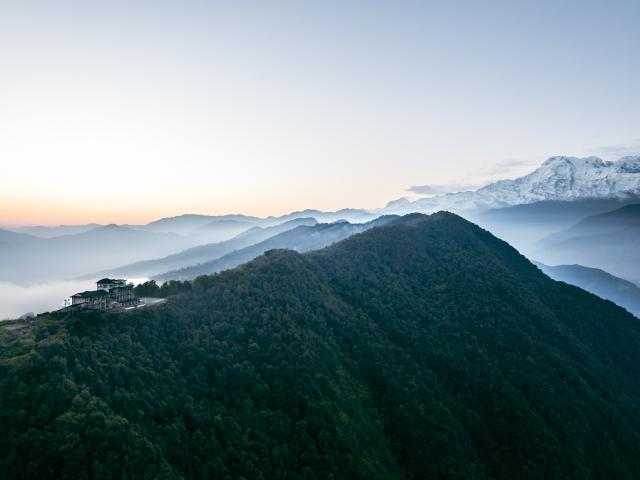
(608, 241)
(202, 253)
(301, 238)
(622, 292)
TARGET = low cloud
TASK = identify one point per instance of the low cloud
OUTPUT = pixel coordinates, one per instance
(509, 166)
(424, 189)
(16, 300)
(428, 190)
(613, 152)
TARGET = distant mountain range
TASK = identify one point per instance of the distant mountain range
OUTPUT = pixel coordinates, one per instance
(202, 253)
(558, 179)
(621, 292)
(525, 225)
(610, 241)
(49, 232)
(301, 239)
(26, 258)
(621, 219)
(189, 223)
(523, 211)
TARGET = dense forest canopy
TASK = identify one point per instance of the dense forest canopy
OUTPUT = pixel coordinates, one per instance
(426, 348)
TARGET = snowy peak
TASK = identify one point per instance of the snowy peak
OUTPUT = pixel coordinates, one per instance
(629, 165)
(574, 162)
(568, 179)
(559, 178)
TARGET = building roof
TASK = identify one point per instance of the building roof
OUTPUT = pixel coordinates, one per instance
(90, 294)
(110, 281)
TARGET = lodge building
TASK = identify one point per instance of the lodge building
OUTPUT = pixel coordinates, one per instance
(110, 294)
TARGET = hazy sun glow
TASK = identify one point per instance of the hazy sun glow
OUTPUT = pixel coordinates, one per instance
(128, 112)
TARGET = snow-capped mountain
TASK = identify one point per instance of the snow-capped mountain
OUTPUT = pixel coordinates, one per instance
(558, 178)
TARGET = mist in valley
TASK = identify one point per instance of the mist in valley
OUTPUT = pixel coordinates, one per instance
(17, 300)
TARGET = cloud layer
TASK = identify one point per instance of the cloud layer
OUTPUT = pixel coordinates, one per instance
(16, 300)
(429, 190)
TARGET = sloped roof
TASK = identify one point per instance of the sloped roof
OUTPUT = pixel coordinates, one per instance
(110, 281)
(91, 294)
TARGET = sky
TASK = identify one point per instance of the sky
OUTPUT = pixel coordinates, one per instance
(124, 112)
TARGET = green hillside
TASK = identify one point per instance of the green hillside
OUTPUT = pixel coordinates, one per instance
(425, 348)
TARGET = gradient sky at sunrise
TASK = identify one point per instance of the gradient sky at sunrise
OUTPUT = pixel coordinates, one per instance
(128, 111)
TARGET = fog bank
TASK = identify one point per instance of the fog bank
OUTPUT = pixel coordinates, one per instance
(16, 300)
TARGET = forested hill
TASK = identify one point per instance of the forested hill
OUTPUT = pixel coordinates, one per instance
(426, 348)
